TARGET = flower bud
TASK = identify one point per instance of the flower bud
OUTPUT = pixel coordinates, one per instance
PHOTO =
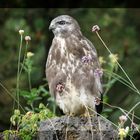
(98, 72)
(123, 119)
(95, 28)
(102, 60)
(30, 54)
(113, 57)
(17, 112)
(27, 38)
(21, 32)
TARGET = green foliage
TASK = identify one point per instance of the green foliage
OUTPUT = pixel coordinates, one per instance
(9, 133)
(30, 97)
(34, 95)
(109, 65)
(28, 124)
(28, 65)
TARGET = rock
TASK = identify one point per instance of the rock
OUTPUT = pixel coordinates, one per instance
(77, 128)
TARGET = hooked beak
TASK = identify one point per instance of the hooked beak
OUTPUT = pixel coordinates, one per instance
(51, 27)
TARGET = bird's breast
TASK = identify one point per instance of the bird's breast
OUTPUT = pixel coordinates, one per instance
(69, 101)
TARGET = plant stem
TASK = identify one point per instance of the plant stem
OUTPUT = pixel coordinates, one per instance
(137, 91)
(118, 63)
(29, 80)
(24, 58)
(121, 137)
(18, 76)
(137, 104)
(109, 79)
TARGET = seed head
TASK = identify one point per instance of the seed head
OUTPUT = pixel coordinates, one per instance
(21, 32)
(123, 119)
(95, 28)
(86, 59)
(60, 87)
(98, 72)
(27, 38)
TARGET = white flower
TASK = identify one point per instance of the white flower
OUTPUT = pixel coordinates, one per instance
(27, 38)
(30, 54)
(127, 129)
(123, 119)
(21, 32)
(95, 28)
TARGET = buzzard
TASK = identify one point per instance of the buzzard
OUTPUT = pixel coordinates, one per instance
(72, 69)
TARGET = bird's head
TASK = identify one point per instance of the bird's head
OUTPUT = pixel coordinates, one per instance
(64, 25)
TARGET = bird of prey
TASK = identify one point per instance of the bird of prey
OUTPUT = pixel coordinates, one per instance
(72, 69)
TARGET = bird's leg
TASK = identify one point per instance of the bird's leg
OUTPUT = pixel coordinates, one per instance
(86, 114)
(72, 114)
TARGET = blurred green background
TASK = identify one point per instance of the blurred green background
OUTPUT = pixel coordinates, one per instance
(120, 29)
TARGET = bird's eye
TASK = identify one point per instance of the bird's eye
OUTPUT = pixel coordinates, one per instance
(62, 22)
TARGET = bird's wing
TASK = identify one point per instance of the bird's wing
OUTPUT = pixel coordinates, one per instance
(91, 66)
(95, 73)
(51, 67)
(54, 73)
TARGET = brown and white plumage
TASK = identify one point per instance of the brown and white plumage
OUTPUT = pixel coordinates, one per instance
(72, 69)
